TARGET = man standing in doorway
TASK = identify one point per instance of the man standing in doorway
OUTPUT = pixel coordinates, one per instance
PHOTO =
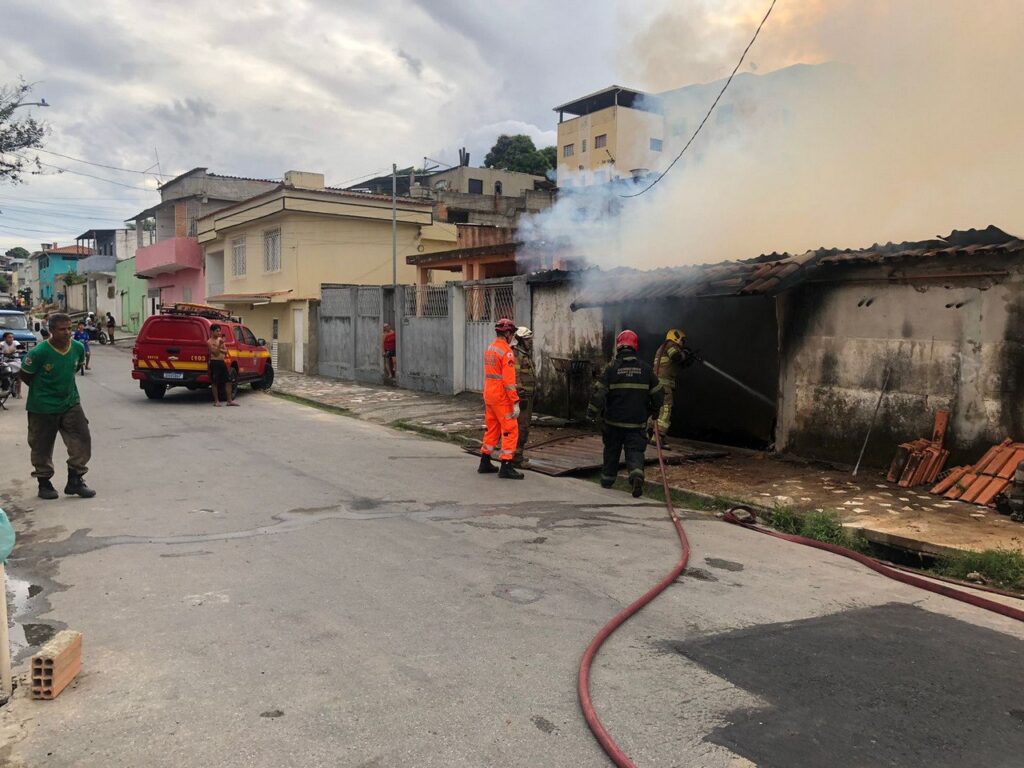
(220, 375)
(390, 345)
(625, 396)
(501, 403)
(526, 386)
(54, 407)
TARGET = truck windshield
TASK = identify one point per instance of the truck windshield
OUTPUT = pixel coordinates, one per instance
(13, 322)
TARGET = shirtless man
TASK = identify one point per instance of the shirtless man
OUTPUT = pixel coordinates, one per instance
(218, 362)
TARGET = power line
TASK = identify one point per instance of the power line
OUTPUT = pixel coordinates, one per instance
(81, 173)
(149, 171)
(711, 109)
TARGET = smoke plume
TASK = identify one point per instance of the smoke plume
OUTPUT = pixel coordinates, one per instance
(853, 121)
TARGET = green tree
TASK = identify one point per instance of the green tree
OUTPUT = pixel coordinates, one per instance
(17, 135)
(550, 155)
(517, 153)
(17, 252)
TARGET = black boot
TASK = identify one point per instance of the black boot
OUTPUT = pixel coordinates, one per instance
(508, 472)
(76, 487)
(486, 467)
(638, 486)
(46, 489)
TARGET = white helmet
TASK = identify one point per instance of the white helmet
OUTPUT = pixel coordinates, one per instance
(522, 332)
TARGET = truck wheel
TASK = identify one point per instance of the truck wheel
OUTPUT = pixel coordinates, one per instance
(154, 391)
(268, 379)
(234, 382)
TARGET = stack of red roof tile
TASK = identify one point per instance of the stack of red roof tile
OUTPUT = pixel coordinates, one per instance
(920, 461)
(982, 482)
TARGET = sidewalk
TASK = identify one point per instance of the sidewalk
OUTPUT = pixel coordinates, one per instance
(908, 518)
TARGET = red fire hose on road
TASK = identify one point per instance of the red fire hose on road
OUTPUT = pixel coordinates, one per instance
(613, 750)
(886, 570)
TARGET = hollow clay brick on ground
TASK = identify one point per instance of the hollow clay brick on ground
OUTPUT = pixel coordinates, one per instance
(56, 664)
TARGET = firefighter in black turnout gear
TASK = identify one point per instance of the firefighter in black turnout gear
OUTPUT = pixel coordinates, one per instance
(626, 395)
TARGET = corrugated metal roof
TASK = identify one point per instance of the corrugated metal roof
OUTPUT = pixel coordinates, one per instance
(773, 273)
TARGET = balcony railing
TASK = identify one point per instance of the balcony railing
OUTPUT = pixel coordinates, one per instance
(170, 255)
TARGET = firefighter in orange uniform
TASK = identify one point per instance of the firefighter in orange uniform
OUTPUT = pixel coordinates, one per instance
(501, 403)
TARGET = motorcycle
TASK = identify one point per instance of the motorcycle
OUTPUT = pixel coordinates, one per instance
(10, 378)
(97, 334)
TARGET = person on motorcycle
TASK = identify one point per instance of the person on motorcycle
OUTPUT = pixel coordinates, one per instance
(9, 354)
(82, 335)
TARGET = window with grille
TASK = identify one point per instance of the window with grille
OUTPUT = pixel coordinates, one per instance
(568, 150)
(583, 146)
(655, 145)
(601, 141)
(272, 250)
(238, 257)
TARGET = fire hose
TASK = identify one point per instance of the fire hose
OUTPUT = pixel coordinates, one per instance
(746, 518)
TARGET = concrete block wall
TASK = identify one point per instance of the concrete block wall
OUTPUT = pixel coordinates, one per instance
(952, 344)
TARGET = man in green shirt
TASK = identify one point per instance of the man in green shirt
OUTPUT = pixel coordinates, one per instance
(53, 406)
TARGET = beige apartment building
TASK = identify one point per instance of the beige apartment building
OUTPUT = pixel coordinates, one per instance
(616, 133)
(266, 257)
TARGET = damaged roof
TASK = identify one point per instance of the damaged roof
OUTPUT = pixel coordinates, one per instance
(771, 274)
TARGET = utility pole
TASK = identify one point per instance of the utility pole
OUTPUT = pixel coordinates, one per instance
(394, 226)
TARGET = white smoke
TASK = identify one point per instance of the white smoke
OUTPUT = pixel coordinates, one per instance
(906, 124)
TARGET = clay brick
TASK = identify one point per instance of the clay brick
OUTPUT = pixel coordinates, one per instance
(994, 488)
(961, 485)
(911, 469)
(56, 664)
(975, 488)
(950, 480)
(1007, 470)
(51, 687)
(939, 430)
(989, 454)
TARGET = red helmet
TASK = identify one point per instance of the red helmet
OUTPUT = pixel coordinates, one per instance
(627, 339)
(504, 325)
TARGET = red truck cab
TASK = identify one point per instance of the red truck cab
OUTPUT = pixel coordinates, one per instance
(171, 350)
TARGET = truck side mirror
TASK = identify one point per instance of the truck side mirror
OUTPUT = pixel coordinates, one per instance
(37, 326)
(261, 342)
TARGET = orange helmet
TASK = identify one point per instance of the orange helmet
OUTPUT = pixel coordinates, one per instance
(504, 325)
(627, 339)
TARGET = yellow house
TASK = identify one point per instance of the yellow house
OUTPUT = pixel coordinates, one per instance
(614, 133)
(266, 257)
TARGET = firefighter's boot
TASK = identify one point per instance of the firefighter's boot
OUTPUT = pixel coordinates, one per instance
(508, 472)
(46, 489)
(486, 467)
(76, 487)
(638, 486)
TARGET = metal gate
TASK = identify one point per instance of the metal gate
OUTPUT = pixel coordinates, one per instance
(336, 340)
(484, 305)
(368, 335)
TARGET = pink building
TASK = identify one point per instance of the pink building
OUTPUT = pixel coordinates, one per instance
(172, 261)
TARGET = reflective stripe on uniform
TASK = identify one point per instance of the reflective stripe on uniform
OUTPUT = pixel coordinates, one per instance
(661, 386)
(493, 375)
(623, 425)
(628, 386)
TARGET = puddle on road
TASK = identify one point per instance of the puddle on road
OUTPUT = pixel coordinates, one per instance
(24, 635)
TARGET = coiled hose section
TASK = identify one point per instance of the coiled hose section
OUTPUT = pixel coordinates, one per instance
(745, 517)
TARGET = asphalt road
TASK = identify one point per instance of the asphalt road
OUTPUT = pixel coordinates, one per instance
(273, 585)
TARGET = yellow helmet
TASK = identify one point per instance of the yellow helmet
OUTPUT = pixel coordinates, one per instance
(676, 335)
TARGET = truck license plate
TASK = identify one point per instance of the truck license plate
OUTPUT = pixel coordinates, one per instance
(174, 375)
